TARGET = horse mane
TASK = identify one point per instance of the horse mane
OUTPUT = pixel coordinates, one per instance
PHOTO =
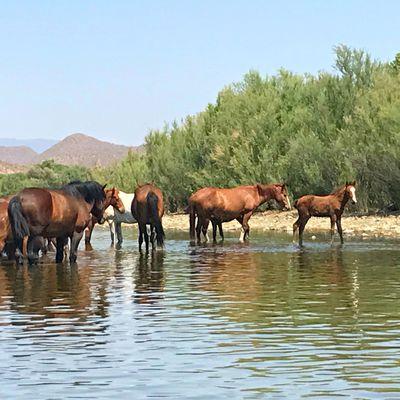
(339, 189)
(90, 191)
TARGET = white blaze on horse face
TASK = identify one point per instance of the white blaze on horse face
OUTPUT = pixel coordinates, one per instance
(353, 194)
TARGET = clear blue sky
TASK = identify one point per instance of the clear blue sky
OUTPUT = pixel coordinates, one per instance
(116, 69)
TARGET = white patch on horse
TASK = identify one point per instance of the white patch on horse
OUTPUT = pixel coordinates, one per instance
(353, 194)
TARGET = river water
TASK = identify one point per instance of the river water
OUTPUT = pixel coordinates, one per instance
(251, 321)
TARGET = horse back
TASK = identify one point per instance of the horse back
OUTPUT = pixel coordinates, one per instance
(139, 206)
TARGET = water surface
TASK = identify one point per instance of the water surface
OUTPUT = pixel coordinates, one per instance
(250, 321)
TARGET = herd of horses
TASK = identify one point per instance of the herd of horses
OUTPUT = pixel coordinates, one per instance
(35, 219)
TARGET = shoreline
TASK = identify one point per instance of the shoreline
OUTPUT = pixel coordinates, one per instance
(282, 221)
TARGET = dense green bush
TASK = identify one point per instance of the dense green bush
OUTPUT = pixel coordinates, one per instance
(46, 174)
(313, 132)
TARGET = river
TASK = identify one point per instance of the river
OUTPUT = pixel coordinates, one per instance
(231, 320)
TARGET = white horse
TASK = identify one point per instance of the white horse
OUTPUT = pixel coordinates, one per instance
(114, 219)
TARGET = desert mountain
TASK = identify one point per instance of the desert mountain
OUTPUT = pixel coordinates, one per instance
(79, 149)
(22, 155)
(38, 145)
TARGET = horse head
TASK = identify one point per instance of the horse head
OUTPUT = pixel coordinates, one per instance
(277, 192)
(350, 190)
(113, 199)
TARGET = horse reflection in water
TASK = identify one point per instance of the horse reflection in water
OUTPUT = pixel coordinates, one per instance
(49, 293)
(149, 278)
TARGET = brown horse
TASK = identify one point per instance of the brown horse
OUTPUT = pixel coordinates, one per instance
(62, 214)
(331, 205)
(148, 208)
(112, 200)
(5, 230)
(223, 205)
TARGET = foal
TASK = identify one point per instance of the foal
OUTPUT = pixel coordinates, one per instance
(331, 205)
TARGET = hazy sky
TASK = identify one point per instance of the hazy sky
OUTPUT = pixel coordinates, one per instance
(116, 69)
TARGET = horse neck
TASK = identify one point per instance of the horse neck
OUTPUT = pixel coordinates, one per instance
(267, 195)
(343, 198)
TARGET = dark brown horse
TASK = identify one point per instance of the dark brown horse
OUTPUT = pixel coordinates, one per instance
(112, 200)
(331, 205)
(62, 213)
(223, 205)
(148, 209)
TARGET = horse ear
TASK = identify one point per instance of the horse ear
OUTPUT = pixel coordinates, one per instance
(259, 188)
(347, 183)
(104, 186)
(354, 183)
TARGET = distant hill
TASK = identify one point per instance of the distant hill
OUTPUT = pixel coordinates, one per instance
(22, 155)
(38, 145)
(80, 149)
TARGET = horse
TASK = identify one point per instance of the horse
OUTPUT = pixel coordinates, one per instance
(114, 215)
(331, 205)
(148, 209)
(5, 230)
(222, 205)
(62, 213)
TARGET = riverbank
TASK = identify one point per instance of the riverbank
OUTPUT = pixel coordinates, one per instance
(366, 226)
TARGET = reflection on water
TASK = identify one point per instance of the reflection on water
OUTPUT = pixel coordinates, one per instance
(204, 321)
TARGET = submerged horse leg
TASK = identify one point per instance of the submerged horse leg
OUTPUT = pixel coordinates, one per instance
(198, 228)
(204, 229)
(246, 226)
(221, 232)
(111, 225)
(118, 231)
(75, 239)
(33, 247)
(60, 243)
(214, 227)
(152, 237)
(303, 223)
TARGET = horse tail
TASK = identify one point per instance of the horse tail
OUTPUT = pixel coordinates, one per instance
(152, 206)
(18, 222)
(192, 220)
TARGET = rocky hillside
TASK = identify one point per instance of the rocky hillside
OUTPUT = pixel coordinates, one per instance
(76, 149)
(22, 155)
(79, 149)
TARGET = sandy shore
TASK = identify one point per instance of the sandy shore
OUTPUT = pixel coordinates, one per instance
(366, 226)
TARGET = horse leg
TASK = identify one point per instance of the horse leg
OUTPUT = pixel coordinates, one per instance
(111, 225)
(88, 235)
(221, 232)
(33, 248)
(333, 221)
(204, 229)
(198, 229)
(214, 227)
(118, 231)
(75, 239)
(146, 238)
(339, 228)
(152, 236)
(246, 226)
(303, 223)
(60, 243)
(140, 237)
(240, 220)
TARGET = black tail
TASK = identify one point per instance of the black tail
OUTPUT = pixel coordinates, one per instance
(192, 220)
(19, 224)
(152, 206)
